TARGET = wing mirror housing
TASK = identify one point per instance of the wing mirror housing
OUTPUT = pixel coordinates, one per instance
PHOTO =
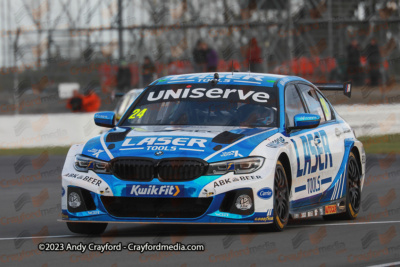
(105, 119)
(305, 121)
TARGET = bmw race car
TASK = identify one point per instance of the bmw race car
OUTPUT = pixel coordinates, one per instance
(229, 148)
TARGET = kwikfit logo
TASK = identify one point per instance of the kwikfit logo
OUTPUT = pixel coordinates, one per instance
(155, 190)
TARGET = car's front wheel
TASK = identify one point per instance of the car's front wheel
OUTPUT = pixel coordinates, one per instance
(87, 228)
(281, 199)
(281, 202)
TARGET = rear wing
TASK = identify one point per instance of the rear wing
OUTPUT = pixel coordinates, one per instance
(346, 87)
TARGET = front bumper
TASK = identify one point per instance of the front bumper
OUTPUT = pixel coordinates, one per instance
(212, 188)
(211, 215)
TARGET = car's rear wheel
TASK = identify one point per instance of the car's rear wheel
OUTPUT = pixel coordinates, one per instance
(87, 228)
(281, 202)
(353, 192)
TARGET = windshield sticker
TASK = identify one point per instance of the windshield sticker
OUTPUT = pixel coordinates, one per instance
(326, 108)
(213, 93)
(137, 113)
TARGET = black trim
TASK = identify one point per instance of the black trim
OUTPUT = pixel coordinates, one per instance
(182, 174)
(156, 207)
(294, 83)
(322, 108)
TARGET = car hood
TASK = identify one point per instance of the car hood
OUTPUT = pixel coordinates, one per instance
(210, 143)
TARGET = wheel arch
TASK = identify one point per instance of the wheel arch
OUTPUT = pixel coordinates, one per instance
(284, 159)
(356, 153)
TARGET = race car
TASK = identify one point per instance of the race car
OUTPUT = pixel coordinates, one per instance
(227, 148)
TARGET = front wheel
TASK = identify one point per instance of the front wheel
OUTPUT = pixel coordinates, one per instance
(281, 202)
(281, 199)
(87, 228)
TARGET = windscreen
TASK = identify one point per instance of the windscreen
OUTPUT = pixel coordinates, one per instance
(205, 104)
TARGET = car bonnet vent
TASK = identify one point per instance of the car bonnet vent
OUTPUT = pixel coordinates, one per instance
(226, 138)
(117, 136)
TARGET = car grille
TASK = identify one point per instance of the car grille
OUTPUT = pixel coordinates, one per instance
(144, 169)
(180, 170)
(129, 169)
(142, 207)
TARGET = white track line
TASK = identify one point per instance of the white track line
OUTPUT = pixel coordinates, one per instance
(290, 226)
(338, 224)
(34, 237)
(387, 264)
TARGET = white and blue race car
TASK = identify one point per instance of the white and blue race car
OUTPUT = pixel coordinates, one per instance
(229, 148)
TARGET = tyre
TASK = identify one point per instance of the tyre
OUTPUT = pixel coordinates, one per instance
(353, 192)
(281, 202)
(87, 228)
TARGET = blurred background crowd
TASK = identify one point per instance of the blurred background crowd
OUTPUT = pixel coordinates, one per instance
(77, 55)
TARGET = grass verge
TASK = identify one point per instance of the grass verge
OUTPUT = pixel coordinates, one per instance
(382, 144)
(57, 150)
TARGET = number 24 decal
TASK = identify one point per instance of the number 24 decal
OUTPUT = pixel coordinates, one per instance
(137, 113)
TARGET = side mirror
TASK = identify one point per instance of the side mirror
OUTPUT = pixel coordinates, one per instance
(105, 119)
(305, 121)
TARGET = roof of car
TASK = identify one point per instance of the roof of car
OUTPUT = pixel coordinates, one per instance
(250, 78)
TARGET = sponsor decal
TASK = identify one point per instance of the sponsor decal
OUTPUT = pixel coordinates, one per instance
(230, 166)
(222, 182)
(250, 177)
(226, 181)
(231, 153)
(243, 202)
(265, 193)
(155, 190)
(74, 200)
(93, 212)
(264, 219)
(326, 108)
(165, 144)
(102, 116)
(96, 152)
(62, 191)
(207, 193)
(86, 178)
(321, 211)
(322, 153)
(221, 214)
(277, 142)
(213, 93)
(330, 209)
(313, 184)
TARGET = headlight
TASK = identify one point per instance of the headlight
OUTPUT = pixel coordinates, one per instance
(83, 164)
(238, 166)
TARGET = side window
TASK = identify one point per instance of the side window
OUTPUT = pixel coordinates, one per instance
(326, 107)
(293, 104)
(312, 100)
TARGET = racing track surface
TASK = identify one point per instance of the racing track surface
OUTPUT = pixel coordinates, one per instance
(374, 238)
